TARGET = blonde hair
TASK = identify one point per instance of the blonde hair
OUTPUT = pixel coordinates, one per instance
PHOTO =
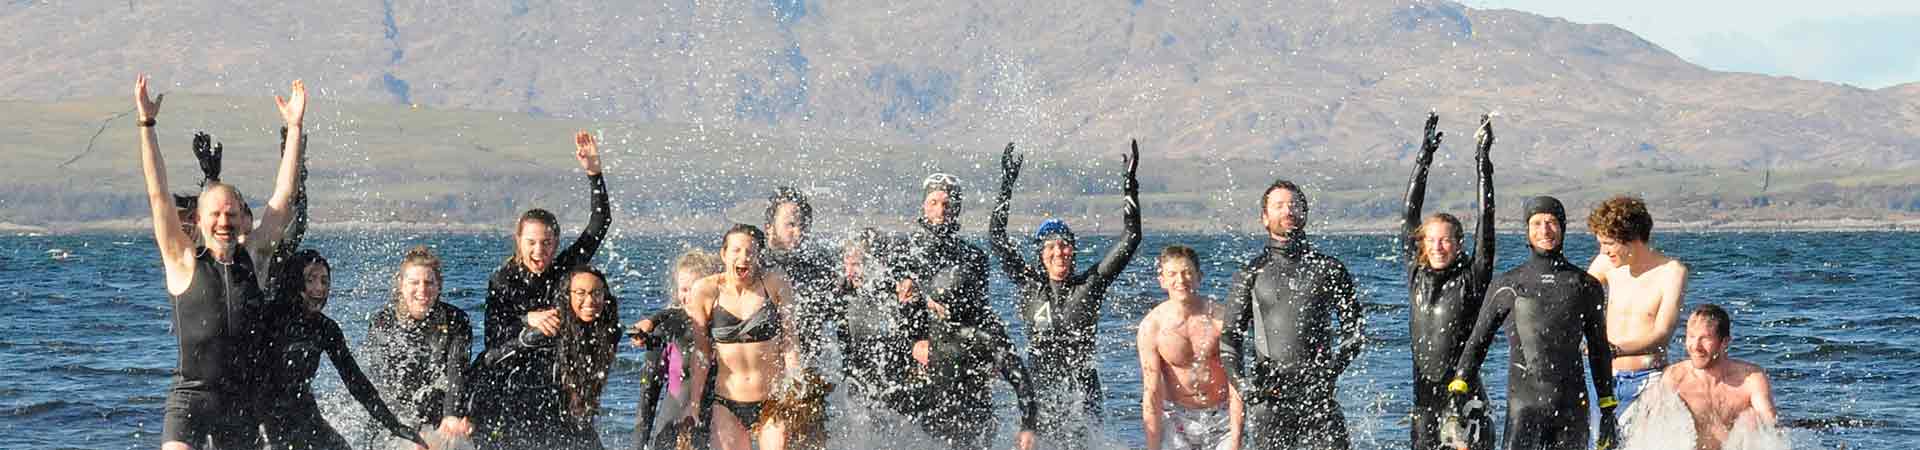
(421, 256)
(696, 261)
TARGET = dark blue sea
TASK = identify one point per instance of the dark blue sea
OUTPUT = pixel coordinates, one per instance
(86, 353)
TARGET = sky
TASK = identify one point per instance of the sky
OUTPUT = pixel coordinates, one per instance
(1865, 43)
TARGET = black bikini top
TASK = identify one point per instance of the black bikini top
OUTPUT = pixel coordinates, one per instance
(761, 326)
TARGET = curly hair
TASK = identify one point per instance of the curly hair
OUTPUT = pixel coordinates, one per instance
(1624, 218)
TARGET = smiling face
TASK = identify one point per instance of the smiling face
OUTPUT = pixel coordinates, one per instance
(1438, 246)
(1615, 250)
(318, 285)
(933, 208)
(1705, 346)
(1544, 232)
(1179, 278)
(1281, 213)
(588, 296)
(222, 218)
(740, 255)
(1057, 256)
(419, 289)
(534, 245)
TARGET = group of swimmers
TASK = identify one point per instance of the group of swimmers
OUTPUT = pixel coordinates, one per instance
(732, 360)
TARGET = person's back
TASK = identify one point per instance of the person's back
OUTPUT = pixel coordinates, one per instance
(1719, 391)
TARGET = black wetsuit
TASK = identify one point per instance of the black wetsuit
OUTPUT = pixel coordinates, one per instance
(506, 401)
(1443, 304)
(876, 334)
(291, 416)
(959, 406)
(1061, 318)
(535, 356)
(221, 321)
(1282, 350)
(420, 366)
(1547, 305)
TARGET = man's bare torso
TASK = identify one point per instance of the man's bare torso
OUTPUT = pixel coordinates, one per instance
(1634, 301)
(1715, 399)
(1189, 347)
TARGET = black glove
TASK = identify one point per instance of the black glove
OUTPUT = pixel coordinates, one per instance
(208, 152)
(1009, 169)
(1132, 161)
(1483, 138)
(1609, 430)
(1431, 142)
(409, 434)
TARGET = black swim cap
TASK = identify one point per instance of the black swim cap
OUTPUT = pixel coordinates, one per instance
(1548, 205)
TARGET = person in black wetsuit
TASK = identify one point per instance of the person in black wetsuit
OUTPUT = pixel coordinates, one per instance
(674, 375)
(1281, 346)
(419, 348)
(507, 399)
(789, 220)
(580, 353)
(1062, 308)
(291, 416)
(875, 330)
(219, 310)
(1445, 287)
(1547, 305)
(966, 343)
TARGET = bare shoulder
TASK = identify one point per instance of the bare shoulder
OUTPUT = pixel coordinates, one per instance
(1677, 372)
(1155, 315)
(1747, 371)
(1673, 268)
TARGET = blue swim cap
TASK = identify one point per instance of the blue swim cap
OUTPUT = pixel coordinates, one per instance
(1053, 229)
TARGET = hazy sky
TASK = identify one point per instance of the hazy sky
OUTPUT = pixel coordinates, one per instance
(1865, 43)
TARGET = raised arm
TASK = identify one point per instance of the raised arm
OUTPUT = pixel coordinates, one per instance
(587, 150)
(1117, 258)
(1483, 236)
(1151, 387)
(362, 388)
(1417, 191)
(175, 246)
(1003, 248)
(297, 227)
(278, 211)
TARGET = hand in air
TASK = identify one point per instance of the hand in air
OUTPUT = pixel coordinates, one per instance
(208, 152)
(547, 321)
(587, 151)
(293, 108)
(1010, 163)
(145, 106)
(1431, 142)
(1132, 160)
(1483, 137)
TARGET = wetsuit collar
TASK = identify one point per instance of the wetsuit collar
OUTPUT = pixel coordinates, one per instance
(1292, 247)
(1459, 263)
(942, 230)
(1553, 254)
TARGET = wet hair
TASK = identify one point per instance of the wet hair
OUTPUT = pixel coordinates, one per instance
(293, 273)
(1299, 198)
(1624, 218)
(1180, 252)
(532, 215)
(421, 256)
(585, 351)
(788, 195)
(1722, 323)
(1420, 234)
(699, 262)
(759, 237)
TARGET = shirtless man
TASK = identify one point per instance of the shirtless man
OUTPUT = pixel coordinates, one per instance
(1718, 390)
(1184, 402)
(1645, 290)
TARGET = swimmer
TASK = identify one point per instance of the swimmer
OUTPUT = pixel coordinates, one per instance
(1186, 402)
(520, 296)
(1548, 307)
(751, 347)
(875, 329)
(1645, 292)
(1445, 289)
(1293, 325)
(291, 416)
(675, 378)
(1062, 308)
(219, 310)
(1720, 391)
(789, 221)
(419, 346)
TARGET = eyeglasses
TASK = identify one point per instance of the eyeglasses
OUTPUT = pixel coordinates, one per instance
(589, 292)
(939, 179)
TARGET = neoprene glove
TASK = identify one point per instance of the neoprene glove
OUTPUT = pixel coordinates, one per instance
(208, 152)
(1132, 161)
(1609, 428)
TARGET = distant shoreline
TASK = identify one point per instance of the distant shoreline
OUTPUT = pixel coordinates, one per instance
(683, 227)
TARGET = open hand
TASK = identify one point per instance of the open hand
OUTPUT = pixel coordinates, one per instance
(1431, 142)
(1010, 165)
(1132, 160)
(146, 106)
(1483, 137)
(208, 152)
(587, 151)
(293, 108)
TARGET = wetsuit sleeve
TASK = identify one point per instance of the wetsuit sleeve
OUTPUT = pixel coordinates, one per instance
(1117, 258)
(357, 382)
(1599, 349)
(1003, 248)
(1492, 314)
(1416, 199)
(1352, 315)
(584, 247)
(504, 316)
(1233, 337)
(460, 342)
(1015, 372)
(1483, 235)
